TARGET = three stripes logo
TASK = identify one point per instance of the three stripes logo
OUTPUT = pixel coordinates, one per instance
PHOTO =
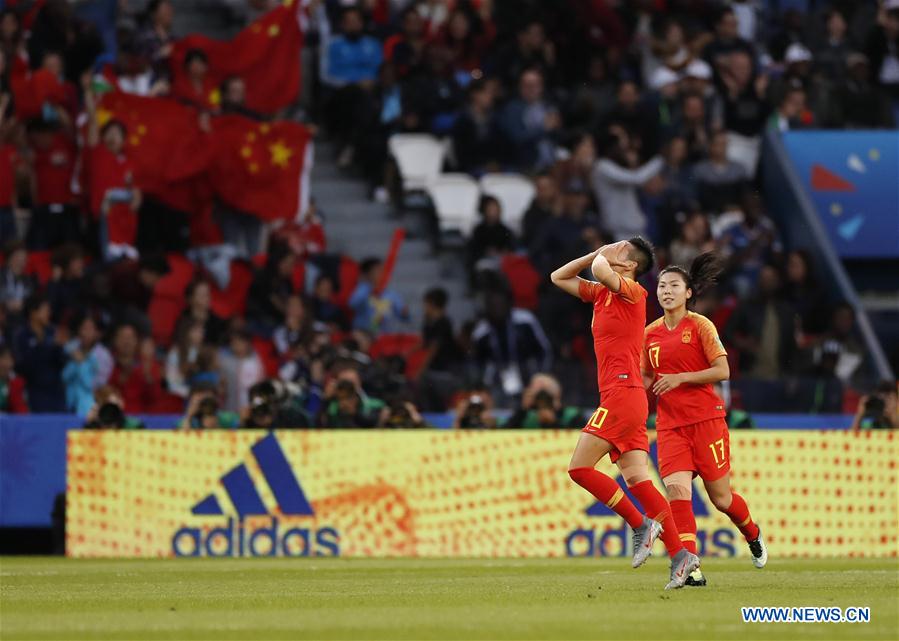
(256, 531)
(613, 541)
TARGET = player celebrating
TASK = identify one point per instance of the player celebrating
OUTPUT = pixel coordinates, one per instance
(683, 350)
(618, 427)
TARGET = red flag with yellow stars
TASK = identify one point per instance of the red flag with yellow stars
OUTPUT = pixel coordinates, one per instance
(164, 140)
(259, 167)
(266, 54)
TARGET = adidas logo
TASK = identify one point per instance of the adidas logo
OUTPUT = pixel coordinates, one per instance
(256, 537)
(613, 541)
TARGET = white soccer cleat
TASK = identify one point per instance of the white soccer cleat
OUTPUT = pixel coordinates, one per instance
(759, 551)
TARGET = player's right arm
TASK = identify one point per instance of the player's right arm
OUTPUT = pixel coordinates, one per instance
(566, 277)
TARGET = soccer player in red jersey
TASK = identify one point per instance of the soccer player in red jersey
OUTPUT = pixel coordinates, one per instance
(618, 427)
(684, 355)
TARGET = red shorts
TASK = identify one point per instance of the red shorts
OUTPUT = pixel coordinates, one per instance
(702, 448)
(621, 420)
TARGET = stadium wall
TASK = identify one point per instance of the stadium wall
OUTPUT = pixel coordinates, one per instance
(446, 494)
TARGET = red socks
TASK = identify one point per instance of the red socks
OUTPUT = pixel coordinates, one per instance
(657, 508)
(739, 514)
(605, 489)
(682, 511)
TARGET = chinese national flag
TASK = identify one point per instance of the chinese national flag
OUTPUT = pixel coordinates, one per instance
(165, 142)
(265, 54)
(259, 167)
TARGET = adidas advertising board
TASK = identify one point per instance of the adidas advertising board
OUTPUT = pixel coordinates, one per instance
(446, 493)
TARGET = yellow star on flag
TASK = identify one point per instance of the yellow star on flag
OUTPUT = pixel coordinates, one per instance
(254, 168)
(134, 140)
(281, 154)
(246, 151)
(288, 3)
(273, 30)
(141, 130)
(103, 116)
(251, 136)
(264, 128)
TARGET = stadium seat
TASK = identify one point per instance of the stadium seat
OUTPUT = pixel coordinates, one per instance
(233, 300)
(394, 345)
(524, 279)
(265, 349)
(39, 264)
(419, 158)
(455, 198)
(514, 193)
(349, 278)
(168, 298)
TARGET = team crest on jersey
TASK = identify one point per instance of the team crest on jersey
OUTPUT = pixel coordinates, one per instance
(686, 336)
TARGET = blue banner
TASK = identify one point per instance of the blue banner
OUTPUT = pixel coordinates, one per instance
(852, 178)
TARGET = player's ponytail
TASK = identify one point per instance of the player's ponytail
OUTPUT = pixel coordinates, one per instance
(703, 273)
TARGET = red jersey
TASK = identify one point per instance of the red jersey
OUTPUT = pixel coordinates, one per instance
(617, 325)
(8, 161)
(53, 169)
(108, 171)
(689, 347)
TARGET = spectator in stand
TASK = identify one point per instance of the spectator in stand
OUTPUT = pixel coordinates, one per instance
(796, 75)
(822, 391)
(12, 387)
(509, 345)
(199, 310)
(136, 372)
(632, 116)
(66, 281)
(541, 407)
(859, 103)
(156, 39)
(695, 239)
(531, 49)
(90, 366)
(762, 330)
(437, 334)
(490, 239)
(804, 294)
(694, 126)
(546, 205)
(433, 94)
(241, 369)
(719, 182)
(346, 403)
(468, 37)
(180, 363)
(697, 80)
(269, 291)
(324, 309)
(204, 412)
(54, 218)
(406, 49)
(15, 284)
(40, 357)
(573, 174)
(749, 243)
(131, 284)
(616, 177)
(882, 49)
(296, 328)
(234, 97)
(475, 133)
(194, 87)
(833, 47)
(375, 312)
(743, 93)
(11, 164)
(842, 332)
(791, 112)
(726, 41)
(593, 100)
(114, 197)
(565, 235)
(529, 123)
(350, 69)
(677, 190)
(206, 370)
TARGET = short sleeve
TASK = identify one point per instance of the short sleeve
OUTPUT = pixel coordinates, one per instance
(712, 346)
(631, 291)
(589, 291)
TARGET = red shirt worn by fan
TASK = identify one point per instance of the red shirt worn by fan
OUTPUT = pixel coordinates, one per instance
(690, 347)
(617, 325)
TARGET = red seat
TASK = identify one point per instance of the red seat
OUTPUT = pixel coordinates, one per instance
(168, 298)
(394, 345)
(349, 278)
(524, 279)
(39, 264)
(267, 353)
(299, 277)
(233, 300)
(259, 260)
(415, 362)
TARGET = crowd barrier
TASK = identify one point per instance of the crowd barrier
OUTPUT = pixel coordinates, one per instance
(446, 493)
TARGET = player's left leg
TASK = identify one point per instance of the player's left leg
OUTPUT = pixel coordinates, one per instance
(679, 487)
(634, 466)
(732, 504)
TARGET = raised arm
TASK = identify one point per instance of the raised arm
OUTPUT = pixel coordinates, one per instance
(623, 175)
(603, 272)
(566, 277)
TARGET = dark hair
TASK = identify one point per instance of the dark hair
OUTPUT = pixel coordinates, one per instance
(65, 254)
(114, 122)
(156, 263)
(32, 304)
(703, 272)
(486, 200)
(643, 253)
(367, 265)
(193, 285)
(195, 54)
(437, 297)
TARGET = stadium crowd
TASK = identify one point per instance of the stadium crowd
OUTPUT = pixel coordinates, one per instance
(630, 118)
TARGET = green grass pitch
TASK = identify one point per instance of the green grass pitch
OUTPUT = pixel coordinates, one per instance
(431, 599)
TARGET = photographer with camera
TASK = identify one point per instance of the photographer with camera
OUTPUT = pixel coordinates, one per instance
(541, 407)
(108, 412)
(879, 410)
(274, 404)
(400, 413)
(347, 404)
(474, 411)
(204, 411)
